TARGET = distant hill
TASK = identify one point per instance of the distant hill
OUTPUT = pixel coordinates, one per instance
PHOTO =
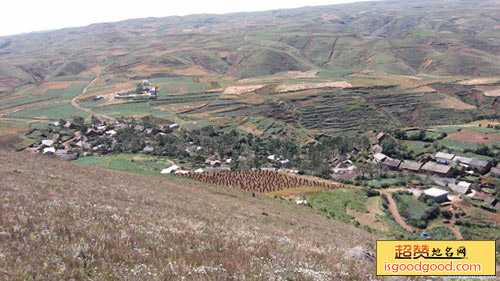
(453, 37)
(63, 223)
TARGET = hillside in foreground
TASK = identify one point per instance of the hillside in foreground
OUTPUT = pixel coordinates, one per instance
(61, 221)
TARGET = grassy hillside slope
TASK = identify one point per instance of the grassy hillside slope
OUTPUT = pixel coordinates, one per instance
(60, 221)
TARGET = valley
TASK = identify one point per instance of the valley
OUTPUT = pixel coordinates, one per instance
(248, 146)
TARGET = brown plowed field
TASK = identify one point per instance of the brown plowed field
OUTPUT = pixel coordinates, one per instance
(474, 137)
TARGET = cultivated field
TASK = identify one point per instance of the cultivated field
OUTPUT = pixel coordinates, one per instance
(258, 181)
(474, 137)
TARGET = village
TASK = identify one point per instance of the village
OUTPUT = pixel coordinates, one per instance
(449, 173)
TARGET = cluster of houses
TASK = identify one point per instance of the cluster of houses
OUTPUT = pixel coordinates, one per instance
(445, 168)
(144, 90)
(68, 142)
(442, 164)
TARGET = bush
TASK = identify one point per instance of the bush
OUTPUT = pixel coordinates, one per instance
(370, 192)
(417, 212)
(446, 214)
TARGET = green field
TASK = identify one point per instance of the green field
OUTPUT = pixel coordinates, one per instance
(50, 111)
(335, 202)
(126, 163)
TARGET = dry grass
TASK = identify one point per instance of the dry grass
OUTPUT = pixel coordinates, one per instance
(490, 91)
(479, 81)
(11, 130)
(59, 221)
(307, 86)
(180, 108)
(424, 89)
(240, 90)
(454, 103)
(283, 75)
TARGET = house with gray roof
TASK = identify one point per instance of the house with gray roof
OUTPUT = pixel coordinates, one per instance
(444, 158)
(495, 172)
(379, 157)
(463, 189)
(392, 163)
(411, 165)
(480, 166)
(434, 168)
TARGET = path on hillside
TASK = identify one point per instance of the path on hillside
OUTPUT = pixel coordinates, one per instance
(74, 102)
(454, 228)
(394, 208)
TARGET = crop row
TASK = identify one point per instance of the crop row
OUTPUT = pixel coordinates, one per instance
(258, 181)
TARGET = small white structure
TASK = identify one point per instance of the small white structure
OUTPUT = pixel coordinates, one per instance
(110, 133)
(199, 171)
(437, 194)
(228, 161)
(182, 172)
(47, 142)
(170, 169)
(283, 162)
(301, 202)
(49, 150)
(271, 157)
(268, 169)
(55, 123)
(174, 126)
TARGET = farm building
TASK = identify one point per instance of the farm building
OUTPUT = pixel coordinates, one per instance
(69, 125)
(437, 169)
(463, 161)
(437, 194)
(379, 157)
(170, 169)
(444, 158)
(50, 150)
(481, 166)
(381, 136)
(392, 163)
(47, 143)
(481, 196)
(495, 172)
(462, 187)
(174, 126)
(139, 128)
(411, 165)
(377, 148)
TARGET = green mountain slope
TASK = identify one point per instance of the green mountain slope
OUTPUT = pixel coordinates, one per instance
(456, 38)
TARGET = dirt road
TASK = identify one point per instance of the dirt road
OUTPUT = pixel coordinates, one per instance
(74, 102)
(394, 208)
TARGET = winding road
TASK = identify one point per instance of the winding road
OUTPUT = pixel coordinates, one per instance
(74, 103)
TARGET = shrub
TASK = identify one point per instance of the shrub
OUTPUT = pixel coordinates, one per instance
(446, 214)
